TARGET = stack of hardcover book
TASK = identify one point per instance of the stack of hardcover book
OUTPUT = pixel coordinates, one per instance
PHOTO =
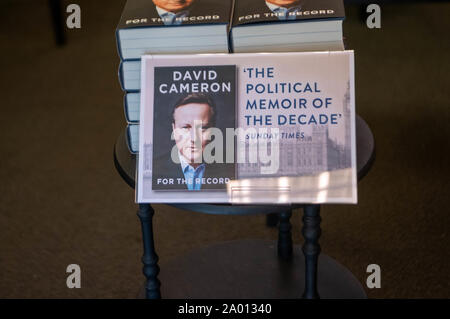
(165, 27)
(218, 26)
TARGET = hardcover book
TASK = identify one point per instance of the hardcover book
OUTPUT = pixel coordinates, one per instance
(130, 75)
(173, 26)
(247, 128)
(132, 107)
(287, 25)
(133, 138)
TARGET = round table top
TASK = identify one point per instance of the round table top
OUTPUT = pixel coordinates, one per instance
(125, 163)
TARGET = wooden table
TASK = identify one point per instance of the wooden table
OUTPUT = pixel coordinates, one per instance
(249, 268)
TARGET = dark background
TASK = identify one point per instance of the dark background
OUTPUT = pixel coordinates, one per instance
(62, 201)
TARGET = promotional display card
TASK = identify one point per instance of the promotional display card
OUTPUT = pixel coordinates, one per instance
(247, 128)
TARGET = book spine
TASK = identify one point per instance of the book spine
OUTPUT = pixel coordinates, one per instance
(133, 138)
(120, 76)
(118, 44)
(131, 102)
(129, 75)
(229, 28)
(125, 107)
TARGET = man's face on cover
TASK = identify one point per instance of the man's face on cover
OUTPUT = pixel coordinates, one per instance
(173, 5)
(191, 130)
(283, 3)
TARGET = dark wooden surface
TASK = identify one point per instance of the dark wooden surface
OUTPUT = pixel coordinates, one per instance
(251, 269)
(311, 249)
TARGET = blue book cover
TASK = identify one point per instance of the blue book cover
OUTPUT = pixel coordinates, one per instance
(167, 26)
(277, 11)
(287, 25)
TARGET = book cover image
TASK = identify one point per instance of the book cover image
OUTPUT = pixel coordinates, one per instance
(174, 12)
(252, 11)
(193, 107)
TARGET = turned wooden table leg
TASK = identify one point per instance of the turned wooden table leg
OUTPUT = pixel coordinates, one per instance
(150, 258)
(285, 235)
(311, 249)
